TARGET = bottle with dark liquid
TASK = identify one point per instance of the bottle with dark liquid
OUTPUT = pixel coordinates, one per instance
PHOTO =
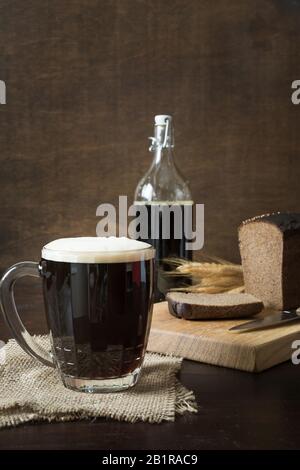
(164, 187)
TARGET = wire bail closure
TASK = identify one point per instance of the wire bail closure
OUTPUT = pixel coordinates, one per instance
(155, 142)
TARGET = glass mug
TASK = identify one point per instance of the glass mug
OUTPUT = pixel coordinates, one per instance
(98, 296)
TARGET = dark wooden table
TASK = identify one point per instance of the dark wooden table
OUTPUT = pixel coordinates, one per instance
(237, 410)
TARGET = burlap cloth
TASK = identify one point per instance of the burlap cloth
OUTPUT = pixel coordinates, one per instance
(30, 391)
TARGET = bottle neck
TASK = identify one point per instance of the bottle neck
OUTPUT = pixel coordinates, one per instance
(163, 143)
(163, 155)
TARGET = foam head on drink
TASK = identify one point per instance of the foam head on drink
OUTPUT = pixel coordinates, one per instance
(97, 250)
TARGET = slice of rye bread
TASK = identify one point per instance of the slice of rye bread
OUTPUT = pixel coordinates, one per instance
(193, 306)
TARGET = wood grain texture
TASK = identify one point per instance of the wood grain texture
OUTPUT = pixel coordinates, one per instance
(210, 341)
(84, 80)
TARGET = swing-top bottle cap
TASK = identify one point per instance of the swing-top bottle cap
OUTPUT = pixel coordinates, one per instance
(160, 119)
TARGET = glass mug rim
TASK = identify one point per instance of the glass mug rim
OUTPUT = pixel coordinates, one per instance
(97, 256)
(37, 269)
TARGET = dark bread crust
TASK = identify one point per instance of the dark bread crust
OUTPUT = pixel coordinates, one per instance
(287, 222)
(190, 311)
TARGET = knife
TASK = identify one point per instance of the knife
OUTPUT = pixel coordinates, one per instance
(279, 318)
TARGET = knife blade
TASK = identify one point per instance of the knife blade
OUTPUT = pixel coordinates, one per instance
(278, 318)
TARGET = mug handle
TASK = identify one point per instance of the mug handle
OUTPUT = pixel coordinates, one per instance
(11, 316)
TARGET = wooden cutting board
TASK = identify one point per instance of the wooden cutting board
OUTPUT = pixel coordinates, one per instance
(211, 342)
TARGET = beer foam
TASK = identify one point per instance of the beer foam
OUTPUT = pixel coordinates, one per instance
(97, 250)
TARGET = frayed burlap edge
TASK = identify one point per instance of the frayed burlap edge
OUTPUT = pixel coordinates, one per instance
(179, 401)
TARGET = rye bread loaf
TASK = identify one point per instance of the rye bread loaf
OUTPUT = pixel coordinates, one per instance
(270, 253)
(192, 306)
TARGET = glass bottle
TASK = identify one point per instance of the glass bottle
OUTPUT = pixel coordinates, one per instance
(164, 186)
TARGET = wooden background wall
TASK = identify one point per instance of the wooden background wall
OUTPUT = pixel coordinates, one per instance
(84, 80)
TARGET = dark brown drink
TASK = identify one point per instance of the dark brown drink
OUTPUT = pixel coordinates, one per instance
(98, 315)
(171, 248)
(98, 295)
